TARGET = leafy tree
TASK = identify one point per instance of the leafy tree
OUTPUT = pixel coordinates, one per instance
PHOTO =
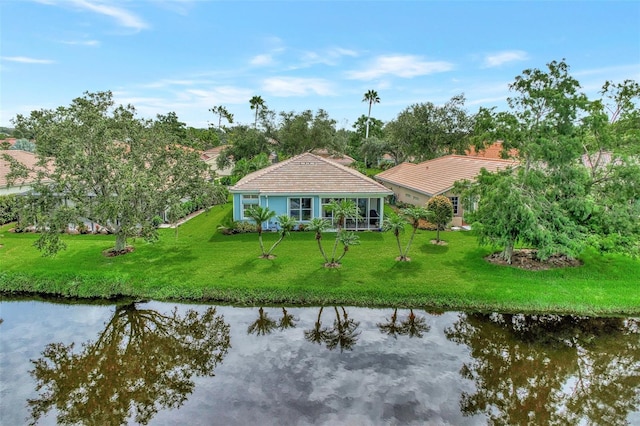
(426, 131)
(258, 104)
(9, 208)
(114, 169)
(143, 361)
(170, 124)
(372, 149)
(244, 166)
(244, 143)
(371, 97)
(260, 215)
(441, 210)
(304, 132)
(222, 112)
(524, 367)
(204, 138)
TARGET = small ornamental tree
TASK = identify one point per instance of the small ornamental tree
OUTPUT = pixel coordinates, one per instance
(441, 212)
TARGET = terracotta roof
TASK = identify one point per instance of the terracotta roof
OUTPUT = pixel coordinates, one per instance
(437, 176)
(212, 152)
(308, 174)
(27, 158)
(492, 151)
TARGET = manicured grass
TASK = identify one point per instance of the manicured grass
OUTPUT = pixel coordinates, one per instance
(204, 265)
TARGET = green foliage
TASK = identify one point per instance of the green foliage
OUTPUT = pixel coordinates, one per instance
(9, 208)
(304, 132)
(115, 169)
(441, 212)
(425, 131)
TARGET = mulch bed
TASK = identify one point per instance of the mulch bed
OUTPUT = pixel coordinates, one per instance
(113, 253)
(526, 259)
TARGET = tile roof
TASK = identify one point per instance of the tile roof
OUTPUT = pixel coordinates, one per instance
(437, 176)
(27, 158)
(309, 174)
(492, 151)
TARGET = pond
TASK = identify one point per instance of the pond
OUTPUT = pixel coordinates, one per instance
(165, 364)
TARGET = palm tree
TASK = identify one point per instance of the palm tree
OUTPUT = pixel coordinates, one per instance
(317, 334)
(260, 215)
(414, 325)
(392, 328)
(347, 239)
(287, 320)
(257, 103)
(286, 224)
(222, 112)
(263, 325)
(372, 97)
(396, 224)
(344, 332)
(415, 215)
(319, 225)
(341, 211)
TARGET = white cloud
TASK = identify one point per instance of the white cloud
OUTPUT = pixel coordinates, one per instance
(500, 58)
(405, 66)
(82, 42)
(329, 56)
(261, 60)
(27, 60)
(123, 17)
(295, 86)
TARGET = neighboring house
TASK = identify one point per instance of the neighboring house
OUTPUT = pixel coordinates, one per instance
(20, 185)
(417, 183)
(303, 186)
(492, 151)
(210, 156)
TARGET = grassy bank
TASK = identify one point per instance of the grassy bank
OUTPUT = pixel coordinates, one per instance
(200, 264)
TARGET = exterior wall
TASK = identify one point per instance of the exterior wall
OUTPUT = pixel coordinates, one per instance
(409, 196)
(14, 189)
(280, 204)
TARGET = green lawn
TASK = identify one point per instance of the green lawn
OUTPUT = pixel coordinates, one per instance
(204, 265)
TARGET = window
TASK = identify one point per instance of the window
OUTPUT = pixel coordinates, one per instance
(454, 202)
(248, 201)
(300, 208)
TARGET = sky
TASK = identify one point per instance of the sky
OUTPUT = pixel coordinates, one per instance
(187, 56)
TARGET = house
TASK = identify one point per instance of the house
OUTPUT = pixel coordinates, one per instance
(417, 183)
(303, 186)
(19, 185)
(210, 156)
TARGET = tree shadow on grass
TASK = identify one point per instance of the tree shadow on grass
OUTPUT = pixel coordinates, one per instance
(429, 248)
(404, 269)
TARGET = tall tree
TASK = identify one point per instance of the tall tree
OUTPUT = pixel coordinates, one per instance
(222, 112)
(258, 104)
(371, 97)
(425, 131)
(305, 131)
(113, 168)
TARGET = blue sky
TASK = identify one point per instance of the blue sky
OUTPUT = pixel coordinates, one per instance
(187, 56)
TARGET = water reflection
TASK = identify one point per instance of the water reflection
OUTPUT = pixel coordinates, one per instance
(412, 326)
(323, 365)
(549, 369)
(142, 361)
(344, 333)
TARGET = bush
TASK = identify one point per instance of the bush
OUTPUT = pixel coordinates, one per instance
(9, 207)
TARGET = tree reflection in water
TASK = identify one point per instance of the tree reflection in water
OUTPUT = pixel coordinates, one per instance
(412, 326)
(265, 325)
(344, 333)
(143, 361)
(550, 369)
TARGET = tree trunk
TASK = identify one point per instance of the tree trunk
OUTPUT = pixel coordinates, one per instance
(121, 242)
(507, 253)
